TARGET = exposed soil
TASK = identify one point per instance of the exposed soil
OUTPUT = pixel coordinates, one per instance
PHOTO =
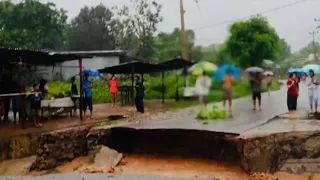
(153, 165)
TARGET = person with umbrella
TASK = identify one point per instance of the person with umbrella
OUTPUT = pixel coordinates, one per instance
(226, 74)
(269, 78)
(88, 94)
(312, 84)
(203, 84)
(227, 89)
(255, 83)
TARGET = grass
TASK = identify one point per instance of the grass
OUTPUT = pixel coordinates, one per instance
(240, 90)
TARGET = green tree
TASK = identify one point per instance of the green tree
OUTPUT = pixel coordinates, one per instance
(309, 49)
(31, 24)
(138, 25)
(252, 41)
(94, 28)
(168, 46)
(284, 51)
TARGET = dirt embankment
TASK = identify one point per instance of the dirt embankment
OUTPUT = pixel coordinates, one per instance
(262, 154)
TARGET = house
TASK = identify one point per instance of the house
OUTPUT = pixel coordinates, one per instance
(100, 59)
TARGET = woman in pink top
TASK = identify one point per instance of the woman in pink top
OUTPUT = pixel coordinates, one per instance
(113, 84)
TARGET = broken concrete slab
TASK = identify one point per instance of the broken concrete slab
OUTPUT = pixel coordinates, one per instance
(300, 166)
(282, 126)
(105, 159)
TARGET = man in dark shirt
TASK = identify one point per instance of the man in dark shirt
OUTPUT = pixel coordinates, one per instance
(139, 95)
(255, 83)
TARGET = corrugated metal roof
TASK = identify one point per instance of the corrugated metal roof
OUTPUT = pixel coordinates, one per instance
(93, 52)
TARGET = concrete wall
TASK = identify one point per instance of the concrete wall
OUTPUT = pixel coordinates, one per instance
(64, 71)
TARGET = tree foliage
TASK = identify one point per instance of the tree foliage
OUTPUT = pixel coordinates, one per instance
(31, 24)
(252, 41)
(94, 28)
(284, 50)
(168, 46)
(138, 25)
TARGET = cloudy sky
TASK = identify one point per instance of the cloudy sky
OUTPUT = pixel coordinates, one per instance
(292, 23)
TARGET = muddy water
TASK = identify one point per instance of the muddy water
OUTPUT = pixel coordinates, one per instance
(151, 165)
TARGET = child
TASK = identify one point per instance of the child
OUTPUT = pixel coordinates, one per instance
(114, 90)
(36, 105)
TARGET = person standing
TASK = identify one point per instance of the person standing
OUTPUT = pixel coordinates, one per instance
(36, 105)
(203, 84)
(255, 83)
(113, 84)
(74, 93)
(139, 94)
(88, 95)
(292, 95)
(312, 84)
(16, 101)
(269, 79)
(227, 90)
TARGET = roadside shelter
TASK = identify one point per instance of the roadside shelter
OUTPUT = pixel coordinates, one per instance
(24, 57)
(143, 68)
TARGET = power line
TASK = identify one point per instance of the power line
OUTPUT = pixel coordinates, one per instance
(263, 12)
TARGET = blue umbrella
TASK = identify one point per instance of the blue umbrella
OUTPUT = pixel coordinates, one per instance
(224, 69)
(314, 67)
(299, 71)
(92, 73)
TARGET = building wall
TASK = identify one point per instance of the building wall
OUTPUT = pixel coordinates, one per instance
(71, 68)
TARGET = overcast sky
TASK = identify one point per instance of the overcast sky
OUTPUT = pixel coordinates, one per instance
(292, 23)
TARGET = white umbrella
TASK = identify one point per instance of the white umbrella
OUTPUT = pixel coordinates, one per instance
(254, 70)
(268, 73)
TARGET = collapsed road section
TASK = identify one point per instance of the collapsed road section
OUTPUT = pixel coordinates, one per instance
(260, 154)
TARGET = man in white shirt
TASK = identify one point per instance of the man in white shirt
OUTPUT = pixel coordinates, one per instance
(203, 85)
(312, 84)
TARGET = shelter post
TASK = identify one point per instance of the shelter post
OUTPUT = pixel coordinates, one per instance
(22, 90)
(142, 78)
(177, 98)
(162, 77)
(81, 90)
(132, 83)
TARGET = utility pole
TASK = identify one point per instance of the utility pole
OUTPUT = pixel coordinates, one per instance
(183, 35)
(313, 34)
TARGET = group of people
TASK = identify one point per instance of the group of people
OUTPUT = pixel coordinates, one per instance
(204, 82)
(113, 85)
(293, 92)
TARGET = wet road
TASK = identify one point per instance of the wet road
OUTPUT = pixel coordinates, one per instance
(76, 176)
(244, 118)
